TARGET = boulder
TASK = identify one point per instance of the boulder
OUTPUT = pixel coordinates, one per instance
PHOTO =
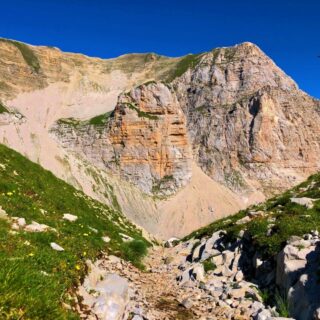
(113, 298)
(56, 247)
(171, 242)
(243, 220)
(69, 217)
(304, 201)
(36, 227)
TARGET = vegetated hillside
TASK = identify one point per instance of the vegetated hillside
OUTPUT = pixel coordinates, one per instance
(35, 279)
(278, 220)
(274, 245)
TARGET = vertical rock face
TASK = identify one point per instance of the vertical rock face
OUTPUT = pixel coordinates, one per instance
(149, 138)
(249, 124)
(145, 140)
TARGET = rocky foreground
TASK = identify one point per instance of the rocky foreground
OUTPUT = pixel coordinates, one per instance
(207, 280)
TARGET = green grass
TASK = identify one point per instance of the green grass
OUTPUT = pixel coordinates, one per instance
(290, 219)
(100, 119)
(69, 121)
(34, 279)
(97, 121)
(159, 185)
(142, 114)
(27, 53)
(282, 305)
(134, 251)
(208, 265)
(3, 109)
(187, 62)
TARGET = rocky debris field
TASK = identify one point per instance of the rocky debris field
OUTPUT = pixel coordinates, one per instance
(208, 279)
(262, 264)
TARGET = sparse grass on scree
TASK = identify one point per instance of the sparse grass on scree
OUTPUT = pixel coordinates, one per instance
(290, 219)
(34, 278)
(27, 53)
(3, 109)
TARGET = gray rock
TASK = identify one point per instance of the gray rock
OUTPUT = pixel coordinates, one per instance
(36, 227)
(69, 217)
(243, 220)
(304, 201)
(187, 303)
(56, 247)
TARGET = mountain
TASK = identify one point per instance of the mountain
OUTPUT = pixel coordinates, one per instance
(130, 150)
(220, 130)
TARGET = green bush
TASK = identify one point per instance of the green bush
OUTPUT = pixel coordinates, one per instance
(282, 305)
(134, 251)
(3, 109)
(208, 265)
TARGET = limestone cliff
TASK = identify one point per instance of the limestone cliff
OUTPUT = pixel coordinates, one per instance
(144, 139)
(250, 125)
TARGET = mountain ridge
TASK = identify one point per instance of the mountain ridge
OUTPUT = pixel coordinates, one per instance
(222, 94)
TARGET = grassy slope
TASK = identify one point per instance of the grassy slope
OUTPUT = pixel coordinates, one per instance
(27, 53)
(289, 219)
(35, 279)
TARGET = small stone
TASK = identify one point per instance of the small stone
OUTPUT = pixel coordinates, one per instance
(36, 227)
(187, 303)
(69, 217)
(106, 239)
(316, 315)
(243, 220)
(304, 201)
(56, 247)
(21, 222)
(114, 259)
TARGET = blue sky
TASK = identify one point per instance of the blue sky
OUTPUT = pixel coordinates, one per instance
(287, 30)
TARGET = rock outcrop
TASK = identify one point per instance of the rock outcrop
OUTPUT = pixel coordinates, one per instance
(145, 140)
(250, 125)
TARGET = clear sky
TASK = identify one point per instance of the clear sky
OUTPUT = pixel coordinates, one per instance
(287, 30)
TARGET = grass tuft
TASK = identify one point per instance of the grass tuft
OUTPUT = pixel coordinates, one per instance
(134, 251)
(3, 109)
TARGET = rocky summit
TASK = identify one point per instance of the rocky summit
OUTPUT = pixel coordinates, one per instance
(146, 187)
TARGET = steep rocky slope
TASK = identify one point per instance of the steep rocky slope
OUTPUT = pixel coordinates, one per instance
(249, 124)
(146, 141)
(153, 121)
(260, 264)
